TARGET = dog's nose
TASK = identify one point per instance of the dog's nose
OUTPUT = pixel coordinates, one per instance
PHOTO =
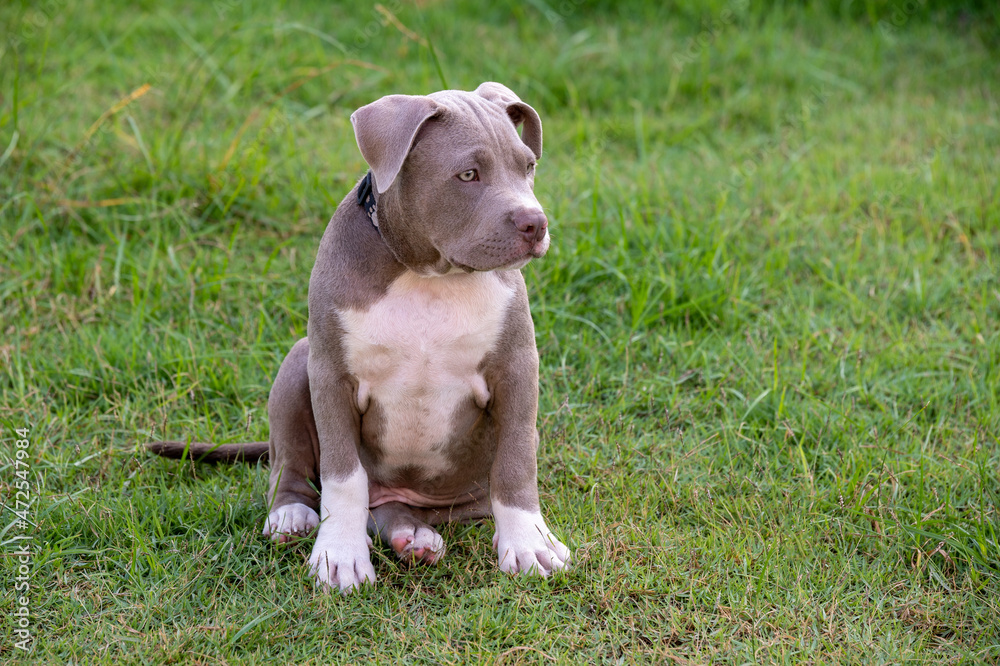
(532, 224)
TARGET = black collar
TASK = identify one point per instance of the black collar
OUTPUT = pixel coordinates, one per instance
(366, 199)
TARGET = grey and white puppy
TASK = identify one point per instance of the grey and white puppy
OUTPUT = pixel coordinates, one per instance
(413, 400)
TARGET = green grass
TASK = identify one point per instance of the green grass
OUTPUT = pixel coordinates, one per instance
(768, 327)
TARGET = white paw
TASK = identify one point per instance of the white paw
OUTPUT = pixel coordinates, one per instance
(290, 520)
(340, 557)
(524, 543)
(344, 565)
(417, 544)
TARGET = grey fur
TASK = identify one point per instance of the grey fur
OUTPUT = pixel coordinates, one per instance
(433, 223)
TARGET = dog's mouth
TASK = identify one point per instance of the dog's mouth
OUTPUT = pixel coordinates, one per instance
(491, 257)
(539, 249)
(519, 262)
(536, 251)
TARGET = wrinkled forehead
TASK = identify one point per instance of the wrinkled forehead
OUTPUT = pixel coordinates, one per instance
(473, 123)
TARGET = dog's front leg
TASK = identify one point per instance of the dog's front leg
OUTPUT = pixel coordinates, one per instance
(340, 557)
(523, 541)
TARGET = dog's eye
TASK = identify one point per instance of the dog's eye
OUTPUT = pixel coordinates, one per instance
(469, 176)
(531, 168)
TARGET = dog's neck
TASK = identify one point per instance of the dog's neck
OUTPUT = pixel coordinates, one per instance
(366, 199)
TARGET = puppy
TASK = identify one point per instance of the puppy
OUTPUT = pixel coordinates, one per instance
(413, 399)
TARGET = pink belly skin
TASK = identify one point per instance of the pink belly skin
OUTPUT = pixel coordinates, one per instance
(379, 495)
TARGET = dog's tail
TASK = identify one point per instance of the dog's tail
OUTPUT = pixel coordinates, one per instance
(248, 452)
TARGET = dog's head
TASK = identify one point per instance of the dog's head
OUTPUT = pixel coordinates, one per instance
(454, 180)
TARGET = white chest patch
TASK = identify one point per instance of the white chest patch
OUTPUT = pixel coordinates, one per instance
(416, 353)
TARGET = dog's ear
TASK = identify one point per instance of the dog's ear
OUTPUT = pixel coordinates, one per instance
(519, 113)
(385, 130)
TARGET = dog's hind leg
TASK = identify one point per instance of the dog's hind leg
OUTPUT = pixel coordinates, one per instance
(293, 496)
(412, 539)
